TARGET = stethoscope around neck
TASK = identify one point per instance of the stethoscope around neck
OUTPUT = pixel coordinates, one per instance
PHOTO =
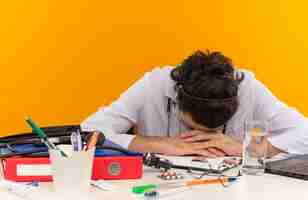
(171, 105)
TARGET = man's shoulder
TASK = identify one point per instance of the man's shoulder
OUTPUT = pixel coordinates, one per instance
(160, 81)
(160, 72)
(246, 90)
(248, 79)
(247, 74)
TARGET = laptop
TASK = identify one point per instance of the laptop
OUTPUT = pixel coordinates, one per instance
(295, 167)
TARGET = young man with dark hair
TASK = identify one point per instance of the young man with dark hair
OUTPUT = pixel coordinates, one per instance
(199, 107)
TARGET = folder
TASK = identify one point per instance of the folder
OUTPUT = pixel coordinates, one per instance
(111, 160)
(41, 150)
(38, 169)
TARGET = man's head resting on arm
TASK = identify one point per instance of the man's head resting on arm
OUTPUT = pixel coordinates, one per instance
(206, 90)
(207, 96)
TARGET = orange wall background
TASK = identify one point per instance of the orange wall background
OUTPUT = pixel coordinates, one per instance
(61, 60)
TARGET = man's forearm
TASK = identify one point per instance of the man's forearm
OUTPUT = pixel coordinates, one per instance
(266, 146)
(272, 150)
(151, 144)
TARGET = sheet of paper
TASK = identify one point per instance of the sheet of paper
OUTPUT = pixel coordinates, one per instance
(103, 185)
(20, 190)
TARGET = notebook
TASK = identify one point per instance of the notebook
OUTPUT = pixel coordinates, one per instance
(295, 167)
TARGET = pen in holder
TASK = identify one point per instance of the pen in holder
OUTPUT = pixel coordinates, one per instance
(72, 174)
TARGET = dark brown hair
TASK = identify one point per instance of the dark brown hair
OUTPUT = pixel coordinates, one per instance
(207, 88)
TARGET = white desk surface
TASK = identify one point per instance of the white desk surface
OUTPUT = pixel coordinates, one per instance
(268, 186)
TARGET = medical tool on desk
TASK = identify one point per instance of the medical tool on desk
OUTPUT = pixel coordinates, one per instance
(30, 145)
(111, 160)
(43, 136)
(170, 175)
(153, 160)
(143, 188)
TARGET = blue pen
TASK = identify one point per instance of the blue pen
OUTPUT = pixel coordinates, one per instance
(79, 141)
(76, 141)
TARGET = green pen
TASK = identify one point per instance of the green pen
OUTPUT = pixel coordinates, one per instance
(148, 187)
(43, 136)
(143, 188)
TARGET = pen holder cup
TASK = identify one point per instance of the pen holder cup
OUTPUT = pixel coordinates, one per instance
(72, 174)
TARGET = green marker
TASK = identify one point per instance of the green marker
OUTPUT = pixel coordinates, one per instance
(43, 136)
(143, 188)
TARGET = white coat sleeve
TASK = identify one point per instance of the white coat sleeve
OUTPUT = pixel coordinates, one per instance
(115, 120)
(288, 129)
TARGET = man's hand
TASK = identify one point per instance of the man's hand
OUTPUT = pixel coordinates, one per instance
(213, 143)
(169, 146)
(177, 146)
